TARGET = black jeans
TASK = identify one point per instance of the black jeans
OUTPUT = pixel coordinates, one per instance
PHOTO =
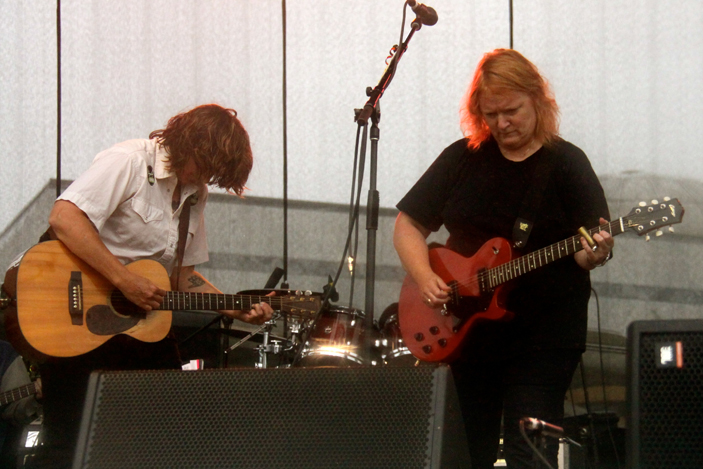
(532, 384)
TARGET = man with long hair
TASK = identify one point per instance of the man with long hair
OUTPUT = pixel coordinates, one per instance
(127, 206)
(477, 188)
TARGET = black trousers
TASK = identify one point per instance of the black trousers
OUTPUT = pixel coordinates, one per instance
(532, 384)
(64, 386)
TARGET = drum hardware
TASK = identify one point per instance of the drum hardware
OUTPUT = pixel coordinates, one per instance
(273, 347)
(267, 346)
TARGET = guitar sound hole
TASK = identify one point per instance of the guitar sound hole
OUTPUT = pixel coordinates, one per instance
(123, 306)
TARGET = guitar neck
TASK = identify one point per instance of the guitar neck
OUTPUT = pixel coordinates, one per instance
(179, 301)
(17, 394)
(492, 278)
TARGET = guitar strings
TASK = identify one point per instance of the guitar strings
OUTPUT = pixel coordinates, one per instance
(498, 275)
(296, 308)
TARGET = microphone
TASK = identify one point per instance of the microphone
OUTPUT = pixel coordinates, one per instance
(426, 15)
(543, 427)
(275, 277)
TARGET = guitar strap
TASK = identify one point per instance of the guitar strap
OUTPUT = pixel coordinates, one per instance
(183, 222)
(533, 199)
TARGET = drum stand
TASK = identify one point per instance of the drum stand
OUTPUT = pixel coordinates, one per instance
(268, 345)
(273, 347)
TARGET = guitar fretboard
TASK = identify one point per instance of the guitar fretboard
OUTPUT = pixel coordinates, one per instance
(492, 278)
(175, 300)
(17, 394)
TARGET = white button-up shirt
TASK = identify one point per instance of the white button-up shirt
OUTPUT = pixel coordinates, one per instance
(127, 193)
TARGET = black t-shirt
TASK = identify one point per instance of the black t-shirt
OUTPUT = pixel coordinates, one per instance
(477, 195)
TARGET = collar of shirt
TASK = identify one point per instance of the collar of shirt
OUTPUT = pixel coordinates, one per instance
(161, 171)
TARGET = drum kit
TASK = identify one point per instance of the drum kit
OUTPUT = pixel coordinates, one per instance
(336, 336)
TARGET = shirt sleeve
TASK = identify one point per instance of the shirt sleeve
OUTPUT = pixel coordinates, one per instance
(112, 178)
(582, 190)
(426, 199)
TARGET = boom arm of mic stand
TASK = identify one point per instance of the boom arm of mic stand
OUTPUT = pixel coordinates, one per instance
(387, 77)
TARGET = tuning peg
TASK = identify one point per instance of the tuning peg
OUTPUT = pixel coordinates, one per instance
(643, 204)
(659, 233)
(671, 229)
(646, 238)
(655, 201)
(666, 199)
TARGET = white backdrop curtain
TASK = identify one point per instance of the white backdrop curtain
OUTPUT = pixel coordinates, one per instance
(627, 75)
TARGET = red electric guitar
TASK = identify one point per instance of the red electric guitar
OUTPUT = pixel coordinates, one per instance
(477, 282)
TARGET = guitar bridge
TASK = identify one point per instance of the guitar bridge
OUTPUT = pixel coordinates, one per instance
(75, 298)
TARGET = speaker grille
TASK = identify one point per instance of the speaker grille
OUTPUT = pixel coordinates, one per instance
(671, 407)
(287, 418)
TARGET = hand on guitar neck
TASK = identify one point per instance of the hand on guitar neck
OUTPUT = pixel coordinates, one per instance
(191, 281)
(596, 254)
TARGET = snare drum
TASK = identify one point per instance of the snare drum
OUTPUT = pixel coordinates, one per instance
(337, 339)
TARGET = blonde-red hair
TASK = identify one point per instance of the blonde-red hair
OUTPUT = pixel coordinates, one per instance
(507, 69)
(215, 140)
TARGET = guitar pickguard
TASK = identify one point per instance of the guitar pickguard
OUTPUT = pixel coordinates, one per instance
(102, 320)
(468, 307)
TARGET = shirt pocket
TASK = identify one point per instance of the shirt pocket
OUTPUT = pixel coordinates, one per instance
(147, 212)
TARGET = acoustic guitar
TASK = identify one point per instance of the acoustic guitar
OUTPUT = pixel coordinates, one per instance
(59, 306)
(478, 282)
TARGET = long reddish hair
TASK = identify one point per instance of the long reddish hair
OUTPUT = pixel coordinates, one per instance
(507, 69)
(215, 139)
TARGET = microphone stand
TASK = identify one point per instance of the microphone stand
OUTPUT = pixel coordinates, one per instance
(371, 111)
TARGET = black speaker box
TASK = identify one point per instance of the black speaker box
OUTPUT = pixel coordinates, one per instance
(665, 373)
(361, 417)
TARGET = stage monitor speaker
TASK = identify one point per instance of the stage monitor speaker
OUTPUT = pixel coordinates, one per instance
(665, 373)
(362, 417)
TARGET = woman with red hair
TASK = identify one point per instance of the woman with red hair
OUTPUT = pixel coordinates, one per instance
(477, 188)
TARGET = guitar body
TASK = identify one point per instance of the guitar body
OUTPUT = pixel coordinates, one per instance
(64, 308)
(435, 334)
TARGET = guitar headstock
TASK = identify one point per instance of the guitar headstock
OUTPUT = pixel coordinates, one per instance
(647, 218)
(303, 306)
